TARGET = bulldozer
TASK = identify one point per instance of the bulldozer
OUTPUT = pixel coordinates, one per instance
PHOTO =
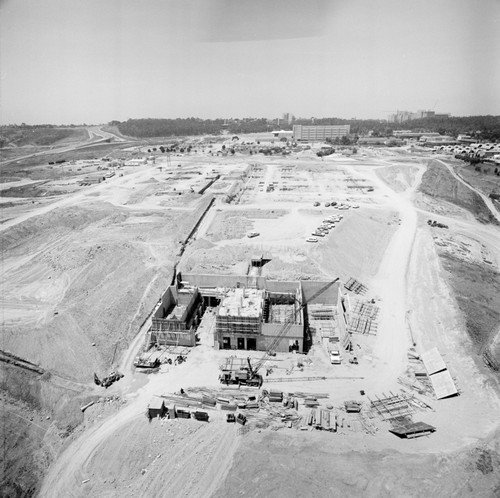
(107, 381)
(245, 376)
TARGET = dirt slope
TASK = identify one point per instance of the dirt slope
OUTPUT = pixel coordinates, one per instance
(438, 182)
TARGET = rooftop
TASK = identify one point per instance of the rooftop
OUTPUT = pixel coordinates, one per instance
(242, 302)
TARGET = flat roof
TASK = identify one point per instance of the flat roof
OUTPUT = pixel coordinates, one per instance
(241, 302)
(433, 361)
(156, 403)
(415, 428)
(443, 384)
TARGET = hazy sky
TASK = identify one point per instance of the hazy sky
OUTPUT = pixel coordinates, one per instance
(75, 61)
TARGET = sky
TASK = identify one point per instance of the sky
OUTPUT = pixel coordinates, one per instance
(93, 61)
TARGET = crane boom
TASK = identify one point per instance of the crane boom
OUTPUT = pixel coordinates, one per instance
(288, 323)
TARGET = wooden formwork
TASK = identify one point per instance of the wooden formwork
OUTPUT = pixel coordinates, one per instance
(391, 407)
(355, 286)
(363, 319)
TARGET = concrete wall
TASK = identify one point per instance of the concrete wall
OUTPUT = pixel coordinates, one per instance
(173, 338)
(271, 330)
(329, 296)
(167, 300)
(206, 280)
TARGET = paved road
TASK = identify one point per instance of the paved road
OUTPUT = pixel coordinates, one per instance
(96, 137)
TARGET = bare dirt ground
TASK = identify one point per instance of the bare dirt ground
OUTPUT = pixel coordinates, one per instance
(109, 251)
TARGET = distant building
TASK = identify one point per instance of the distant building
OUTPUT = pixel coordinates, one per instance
(319, 133)
(287, 119)
(465, 139)
(282, 133)
(404, 116)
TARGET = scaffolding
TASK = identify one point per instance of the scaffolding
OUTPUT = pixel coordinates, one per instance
(238, 324)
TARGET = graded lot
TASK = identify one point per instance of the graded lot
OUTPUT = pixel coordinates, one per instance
(87, 267)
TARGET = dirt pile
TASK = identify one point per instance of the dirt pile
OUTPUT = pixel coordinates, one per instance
(437, 181)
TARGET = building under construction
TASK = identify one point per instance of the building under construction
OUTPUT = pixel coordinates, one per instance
(176, 318)
(252, 313)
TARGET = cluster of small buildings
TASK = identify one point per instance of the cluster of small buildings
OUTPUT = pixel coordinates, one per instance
(488, 152)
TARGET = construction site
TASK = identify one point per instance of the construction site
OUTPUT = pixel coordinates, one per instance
(222, 315)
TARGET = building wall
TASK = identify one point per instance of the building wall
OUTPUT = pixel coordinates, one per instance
(270, 332)
(185, 338)
(167, 300)
(175, 332)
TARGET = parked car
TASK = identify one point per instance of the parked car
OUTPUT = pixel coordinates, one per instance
(311, 239)
(335, 358)
(250, 235)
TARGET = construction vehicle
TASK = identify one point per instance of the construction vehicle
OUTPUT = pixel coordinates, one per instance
(245, 376)
(147, 363)
(109, 380)
(352, 406)
(198, 415)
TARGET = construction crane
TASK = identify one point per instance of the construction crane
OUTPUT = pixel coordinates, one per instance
(286, 326)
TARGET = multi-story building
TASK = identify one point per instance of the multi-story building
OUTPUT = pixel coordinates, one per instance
(404, 116)
(318, 133)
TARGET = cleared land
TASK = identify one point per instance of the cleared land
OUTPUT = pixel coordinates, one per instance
(84, 266)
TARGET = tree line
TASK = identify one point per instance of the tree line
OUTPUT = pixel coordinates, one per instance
(480, 127)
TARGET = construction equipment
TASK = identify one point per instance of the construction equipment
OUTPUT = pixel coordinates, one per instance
(246, 376)
(203, 416)
(352, 406)
(288, 323)
(107, 381)
(147, 363)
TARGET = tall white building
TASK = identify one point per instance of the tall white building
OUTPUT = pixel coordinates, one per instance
(320, 132)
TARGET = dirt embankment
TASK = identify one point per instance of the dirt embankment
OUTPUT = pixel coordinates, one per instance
(438, 182)
(276, 465)
(477, 291)
(78, 283)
